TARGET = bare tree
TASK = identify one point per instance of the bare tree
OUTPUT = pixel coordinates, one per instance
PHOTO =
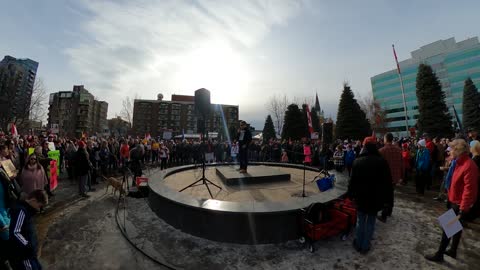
(35, 110)
(38, 105)
(376, 115)
(127, 108)
(277, 105)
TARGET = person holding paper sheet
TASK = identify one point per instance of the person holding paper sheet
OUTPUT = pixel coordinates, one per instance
(461, 195)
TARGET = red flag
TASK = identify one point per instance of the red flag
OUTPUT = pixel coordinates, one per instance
(396, 59)
(14, 130)
(309, 117)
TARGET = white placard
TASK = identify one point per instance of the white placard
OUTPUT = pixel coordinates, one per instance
(167, 135)
(450, 224)
(51, 146)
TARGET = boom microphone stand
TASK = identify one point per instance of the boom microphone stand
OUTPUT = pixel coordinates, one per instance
(203, 180)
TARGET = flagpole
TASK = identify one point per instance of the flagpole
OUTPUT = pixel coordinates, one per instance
(458, 119)
(402, 88)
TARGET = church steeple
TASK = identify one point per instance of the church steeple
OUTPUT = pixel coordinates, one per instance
(317, 105)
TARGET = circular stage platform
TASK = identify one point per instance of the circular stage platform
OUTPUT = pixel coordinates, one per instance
(260, 207)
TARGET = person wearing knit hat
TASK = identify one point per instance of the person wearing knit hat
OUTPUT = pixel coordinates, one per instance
(82, 166)
(473, 144)
(81, 144)
(368, 187)
(369, 140)
(422, 143)
(422, 166)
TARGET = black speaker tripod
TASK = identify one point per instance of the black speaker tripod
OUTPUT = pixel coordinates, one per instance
(203, 180)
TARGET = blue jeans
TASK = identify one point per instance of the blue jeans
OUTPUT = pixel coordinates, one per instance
(365, 229)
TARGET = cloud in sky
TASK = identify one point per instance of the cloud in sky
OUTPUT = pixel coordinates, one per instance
(147, 47)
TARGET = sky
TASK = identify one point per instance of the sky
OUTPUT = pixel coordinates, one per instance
(244, 52)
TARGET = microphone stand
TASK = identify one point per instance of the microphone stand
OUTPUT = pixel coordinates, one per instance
(203, 180)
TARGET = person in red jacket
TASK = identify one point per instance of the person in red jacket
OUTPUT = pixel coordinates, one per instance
(461, 195)
(124, 153)
(407, 161)
(433, 158)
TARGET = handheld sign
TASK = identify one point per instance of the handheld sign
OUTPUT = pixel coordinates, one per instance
(9, 167)
(53, 175)
(450, 223)
(55, 155)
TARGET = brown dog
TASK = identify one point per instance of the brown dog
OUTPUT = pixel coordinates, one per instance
(116, 185)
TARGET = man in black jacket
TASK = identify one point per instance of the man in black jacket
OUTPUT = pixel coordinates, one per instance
(369, 184)
(244, 139)
(82, 168)
(23, 238)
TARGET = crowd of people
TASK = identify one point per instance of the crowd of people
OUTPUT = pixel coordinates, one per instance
(375, 168)
(380, 167)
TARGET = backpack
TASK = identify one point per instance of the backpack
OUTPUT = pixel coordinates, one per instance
(12, 189)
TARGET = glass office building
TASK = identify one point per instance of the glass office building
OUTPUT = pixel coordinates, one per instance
(453, 62)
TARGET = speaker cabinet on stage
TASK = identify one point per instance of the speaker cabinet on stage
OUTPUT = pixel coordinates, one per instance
(202, 102)
(327, 133)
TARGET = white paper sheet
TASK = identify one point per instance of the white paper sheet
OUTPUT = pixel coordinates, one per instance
(450, 223)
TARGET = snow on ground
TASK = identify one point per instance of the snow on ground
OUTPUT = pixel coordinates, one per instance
(83, 235)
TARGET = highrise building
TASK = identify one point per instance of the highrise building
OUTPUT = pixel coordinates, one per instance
(17, 78)
(178, 116)
(453, 62)
(75, 112)
(100, 123)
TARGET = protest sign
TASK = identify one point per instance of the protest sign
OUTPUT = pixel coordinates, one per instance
(9, 167)
(53, 174)
(55, 155)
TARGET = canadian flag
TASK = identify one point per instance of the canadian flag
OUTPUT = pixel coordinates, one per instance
(309, 118)
(14, 130)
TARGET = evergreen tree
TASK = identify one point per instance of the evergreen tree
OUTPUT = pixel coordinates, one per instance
(268, 129)
(294, 125)
(352, 122)
(471, 106)
(315, 122)
(434, 117)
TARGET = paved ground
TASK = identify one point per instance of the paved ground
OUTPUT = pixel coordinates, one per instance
(82, 234)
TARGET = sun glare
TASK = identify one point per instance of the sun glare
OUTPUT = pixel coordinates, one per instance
(217, 67)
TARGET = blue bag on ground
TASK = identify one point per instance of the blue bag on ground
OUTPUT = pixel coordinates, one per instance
(326, 182)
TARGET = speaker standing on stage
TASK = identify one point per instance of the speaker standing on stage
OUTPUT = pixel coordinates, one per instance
(244, 139)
